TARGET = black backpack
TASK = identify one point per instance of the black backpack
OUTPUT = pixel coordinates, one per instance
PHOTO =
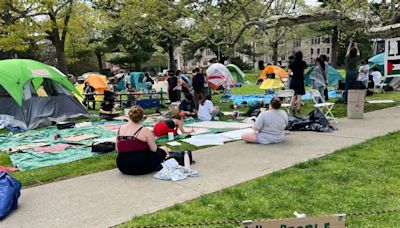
(198, 82)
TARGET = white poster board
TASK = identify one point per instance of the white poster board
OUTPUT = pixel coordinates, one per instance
(392, 57)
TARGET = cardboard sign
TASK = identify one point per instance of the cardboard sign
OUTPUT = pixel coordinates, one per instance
(79, 138)
(392, 57)
(336, 221)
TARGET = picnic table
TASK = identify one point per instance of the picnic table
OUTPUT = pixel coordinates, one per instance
(120, 96)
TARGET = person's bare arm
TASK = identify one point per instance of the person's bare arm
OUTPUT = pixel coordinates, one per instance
(356, 47)
(150, 139)
(180, 126)
(349, 47)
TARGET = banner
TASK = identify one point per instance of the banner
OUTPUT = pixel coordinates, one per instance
(392, 57)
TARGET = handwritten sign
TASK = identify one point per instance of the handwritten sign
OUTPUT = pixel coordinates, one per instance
(392, 57)
(336, 221)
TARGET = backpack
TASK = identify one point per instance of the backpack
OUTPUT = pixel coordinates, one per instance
(198, 82)
(9, 193)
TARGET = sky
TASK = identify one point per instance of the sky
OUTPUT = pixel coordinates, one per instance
(311, 2)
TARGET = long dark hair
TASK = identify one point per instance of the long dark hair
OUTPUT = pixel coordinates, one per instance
(321, 62)
(298, 56)
(208, 97)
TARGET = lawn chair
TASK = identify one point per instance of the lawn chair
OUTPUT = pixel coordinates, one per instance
(325, 107)
(379, 86)
(287, 96)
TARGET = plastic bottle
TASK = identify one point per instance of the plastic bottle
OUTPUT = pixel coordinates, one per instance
(186, 160)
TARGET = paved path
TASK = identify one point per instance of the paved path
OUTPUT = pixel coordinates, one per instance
(108, 198)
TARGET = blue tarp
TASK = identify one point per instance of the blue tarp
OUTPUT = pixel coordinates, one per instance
(249, 98)
(377, 61)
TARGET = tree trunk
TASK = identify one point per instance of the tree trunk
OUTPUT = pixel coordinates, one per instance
(171, 58)
(335, 46)
(60, 55)
(99, 61)
(275, 52)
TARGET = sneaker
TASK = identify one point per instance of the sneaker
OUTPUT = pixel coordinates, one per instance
(216, 118)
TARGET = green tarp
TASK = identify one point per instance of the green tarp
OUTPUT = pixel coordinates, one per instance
(236, 72)
(29, 159)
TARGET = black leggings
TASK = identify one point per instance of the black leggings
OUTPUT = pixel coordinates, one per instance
(140, 162)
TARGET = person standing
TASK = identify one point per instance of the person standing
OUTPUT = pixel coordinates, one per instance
(351, 61)
(296, 69)
(172, 84)
(363, 73)
(291, 59)
(198, 86)
(324, 59)
(207, 89)
(88, 91)
(178, 88)
(317, 76)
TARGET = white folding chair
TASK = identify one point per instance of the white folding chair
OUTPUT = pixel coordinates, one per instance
(287, 96)
(325, 107)
(379, 86)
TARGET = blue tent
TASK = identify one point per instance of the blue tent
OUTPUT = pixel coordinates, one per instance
(333, 76)
(377, 61)
(137, 80)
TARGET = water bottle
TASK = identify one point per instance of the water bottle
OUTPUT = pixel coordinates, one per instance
(186, 160)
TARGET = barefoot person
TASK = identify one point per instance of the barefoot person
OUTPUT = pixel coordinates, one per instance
(269, 126)
(137, 150)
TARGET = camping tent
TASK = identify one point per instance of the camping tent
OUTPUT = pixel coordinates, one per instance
(272, 84)
(137, 80)
(236, 72)
(98, 81)
(333, 76)
(378, 61)
(20, 81)
(270, 69)
(218, 75)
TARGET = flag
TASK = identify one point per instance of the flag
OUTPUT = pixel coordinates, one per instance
(393, 67)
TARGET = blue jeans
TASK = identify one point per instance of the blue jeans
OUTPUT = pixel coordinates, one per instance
(351, 83)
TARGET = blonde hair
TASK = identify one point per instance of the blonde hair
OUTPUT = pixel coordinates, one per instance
(136, 114)
(175, 113)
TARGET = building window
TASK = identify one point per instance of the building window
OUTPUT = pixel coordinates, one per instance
(317, 51)
(297, 43)
(319, 40)
(312, 51)
(328, 50)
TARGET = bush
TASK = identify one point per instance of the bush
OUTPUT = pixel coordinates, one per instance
(242, 65)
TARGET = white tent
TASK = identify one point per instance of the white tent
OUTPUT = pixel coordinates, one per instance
(218, 75)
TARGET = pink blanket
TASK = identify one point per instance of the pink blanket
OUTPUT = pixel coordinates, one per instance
(50, 149)
(8, 169)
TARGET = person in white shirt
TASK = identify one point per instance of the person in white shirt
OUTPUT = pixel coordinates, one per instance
(207, 111)
(363, 73)
(269, 127)
(376, 75)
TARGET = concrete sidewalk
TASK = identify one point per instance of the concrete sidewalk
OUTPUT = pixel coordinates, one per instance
(108, 198)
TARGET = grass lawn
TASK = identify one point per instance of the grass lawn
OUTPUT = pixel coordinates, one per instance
(360, 178)
(106, 162)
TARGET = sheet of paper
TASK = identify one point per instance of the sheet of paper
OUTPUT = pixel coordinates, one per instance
(197, 130)
(79, 138)
(237, 134)
(174, 143)
(28, 146)
(219, 124)
(204, 140)
(380, 101)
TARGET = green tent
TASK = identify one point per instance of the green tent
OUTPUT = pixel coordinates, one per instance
(236, 72)
(20, 80)
(15, 73)
(333, 76)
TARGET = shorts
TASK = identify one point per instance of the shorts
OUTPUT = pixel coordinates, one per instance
(263, 138)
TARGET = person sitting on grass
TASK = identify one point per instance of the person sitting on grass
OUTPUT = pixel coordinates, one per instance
(207, 110)
(107, 110)
(187, 106)
(269, 126)
(164, 127)
(138, 152)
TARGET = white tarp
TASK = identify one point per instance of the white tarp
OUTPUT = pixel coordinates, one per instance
(218, 75)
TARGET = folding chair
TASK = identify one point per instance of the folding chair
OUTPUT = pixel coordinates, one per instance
(287, 96)
(325, 107)
(379, 86)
